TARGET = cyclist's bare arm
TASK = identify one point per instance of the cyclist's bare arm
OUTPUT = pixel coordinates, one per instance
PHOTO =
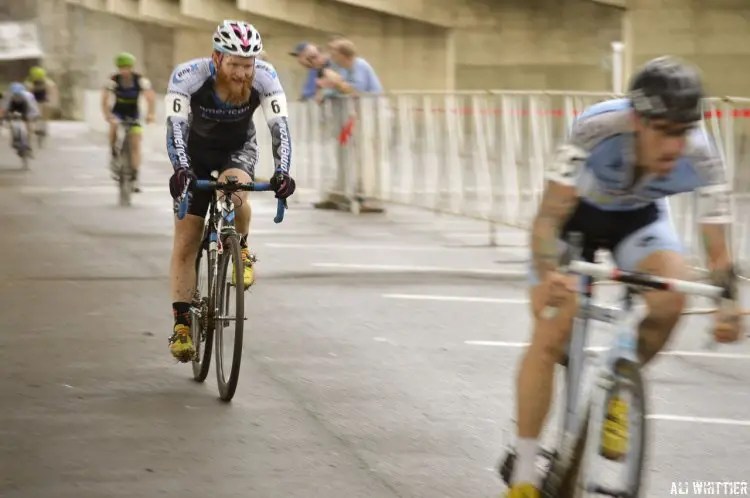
(148, 93)
(715, 211)
(109, 87)
(559, 200)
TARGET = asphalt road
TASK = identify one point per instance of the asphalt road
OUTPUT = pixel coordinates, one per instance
(380, 356)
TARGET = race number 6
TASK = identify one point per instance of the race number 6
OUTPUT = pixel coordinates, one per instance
(176, 105)
(275, 106)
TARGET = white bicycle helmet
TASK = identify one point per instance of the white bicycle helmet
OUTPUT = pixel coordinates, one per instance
(237, 38)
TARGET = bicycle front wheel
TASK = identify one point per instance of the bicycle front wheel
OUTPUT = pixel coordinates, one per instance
(629, 386)
(126, 179)
(229, 324)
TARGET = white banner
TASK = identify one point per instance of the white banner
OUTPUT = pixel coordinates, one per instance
(19, 40)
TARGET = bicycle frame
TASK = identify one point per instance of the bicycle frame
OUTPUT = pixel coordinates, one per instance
(220, 221)
(580, 396)
(586, 404)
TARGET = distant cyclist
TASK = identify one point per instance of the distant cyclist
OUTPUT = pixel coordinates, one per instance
(127, 86)
(610, 182)
(210, 105)
(21, 101)
(43, 89)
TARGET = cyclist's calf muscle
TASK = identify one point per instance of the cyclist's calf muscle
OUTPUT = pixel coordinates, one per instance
(187, 240)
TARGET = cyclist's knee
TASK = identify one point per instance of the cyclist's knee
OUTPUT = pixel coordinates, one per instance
(550, 336)
(664, 306)
(241, 174)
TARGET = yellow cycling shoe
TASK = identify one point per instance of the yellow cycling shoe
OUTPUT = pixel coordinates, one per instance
(181, 344)
(523, 490)
(614, 444)
(248, 259)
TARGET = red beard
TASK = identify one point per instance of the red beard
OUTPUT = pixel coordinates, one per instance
(238, 92)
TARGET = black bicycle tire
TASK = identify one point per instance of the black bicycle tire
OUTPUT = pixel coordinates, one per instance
(567, 480)
(40, 136)
(125, 183)
(231, 244)
(201, 368)
(23, 153)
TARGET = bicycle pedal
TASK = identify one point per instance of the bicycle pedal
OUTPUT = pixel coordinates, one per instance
(544, 459)
(603, 490)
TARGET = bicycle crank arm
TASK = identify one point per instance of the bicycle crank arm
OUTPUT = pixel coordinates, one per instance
(603, 490)
(228, 319)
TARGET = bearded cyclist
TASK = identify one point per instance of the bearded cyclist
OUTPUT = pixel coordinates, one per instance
(610, 182)
(210, 104)
(127, 86)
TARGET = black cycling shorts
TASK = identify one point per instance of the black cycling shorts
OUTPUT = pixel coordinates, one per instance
(40, 96)
(21, 108)
(203, 162)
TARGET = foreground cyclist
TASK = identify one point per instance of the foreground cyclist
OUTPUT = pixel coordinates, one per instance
(21, 101)
(127, 86)
(210, 104)
(610, 182)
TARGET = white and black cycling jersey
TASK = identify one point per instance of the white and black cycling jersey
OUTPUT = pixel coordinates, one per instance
(197, 120)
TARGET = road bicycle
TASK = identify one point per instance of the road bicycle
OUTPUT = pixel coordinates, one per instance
(123, 161)
(20, 139)
(616, 379)
(210, 306)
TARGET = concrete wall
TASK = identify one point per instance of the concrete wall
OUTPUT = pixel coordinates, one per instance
(713, 34)
(97, 37)
(539, 44)
(16, 10)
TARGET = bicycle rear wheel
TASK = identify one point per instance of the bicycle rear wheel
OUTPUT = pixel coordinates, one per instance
(201, 322)
(19, 132)
(229, 348)
(41, 132)
(125, 176)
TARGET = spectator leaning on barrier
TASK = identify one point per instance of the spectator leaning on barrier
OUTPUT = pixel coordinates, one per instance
(356, 74)
(310, 57)
(353, 76)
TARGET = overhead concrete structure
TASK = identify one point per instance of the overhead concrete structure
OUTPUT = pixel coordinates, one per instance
(414, 44)
(712, 33)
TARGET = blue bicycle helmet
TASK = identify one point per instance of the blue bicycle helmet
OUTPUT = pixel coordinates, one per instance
(17, 88)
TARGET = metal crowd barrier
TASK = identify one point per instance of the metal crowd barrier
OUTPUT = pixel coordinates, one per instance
(480, 154)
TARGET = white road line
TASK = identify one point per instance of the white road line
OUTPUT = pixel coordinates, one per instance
(471, 299)
(699, 354)
(700, 420)
(91, 189)
(363, 247)
(281, 231)
(434, 269)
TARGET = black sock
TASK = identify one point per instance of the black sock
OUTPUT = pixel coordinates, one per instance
(181, 313)
(243, 241)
